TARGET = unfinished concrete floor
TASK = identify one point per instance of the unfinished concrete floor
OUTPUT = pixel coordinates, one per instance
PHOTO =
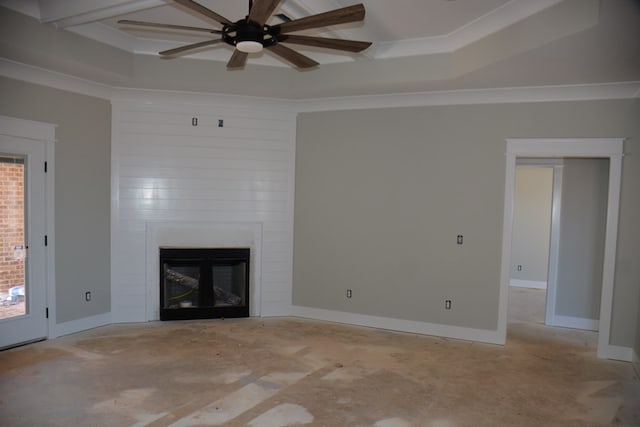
(293, 372)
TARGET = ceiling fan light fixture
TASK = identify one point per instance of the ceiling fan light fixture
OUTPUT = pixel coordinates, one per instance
(249, 46)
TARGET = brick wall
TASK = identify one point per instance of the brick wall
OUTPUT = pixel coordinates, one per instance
(11, 223)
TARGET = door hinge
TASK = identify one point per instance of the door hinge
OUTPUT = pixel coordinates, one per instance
(45, 167)
(47, 312)
(46, 240)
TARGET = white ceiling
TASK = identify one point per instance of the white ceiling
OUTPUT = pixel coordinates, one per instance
(418, 45)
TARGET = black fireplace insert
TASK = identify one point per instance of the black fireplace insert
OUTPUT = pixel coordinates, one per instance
(197, 283)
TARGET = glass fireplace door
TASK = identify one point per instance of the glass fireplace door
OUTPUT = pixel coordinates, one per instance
(181, 284)
(204, 283)
(229, 283)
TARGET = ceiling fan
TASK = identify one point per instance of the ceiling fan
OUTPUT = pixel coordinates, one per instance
(252, 34)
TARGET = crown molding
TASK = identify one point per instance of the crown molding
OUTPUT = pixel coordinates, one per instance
(41, 76)
(123, 96)
(31, 74)
(78, 12)
(584, 92)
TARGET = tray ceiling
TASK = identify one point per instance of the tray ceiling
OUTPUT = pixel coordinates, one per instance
(418, 45)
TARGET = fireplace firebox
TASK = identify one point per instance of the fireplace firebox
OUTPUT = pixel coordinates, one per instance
(198, 283)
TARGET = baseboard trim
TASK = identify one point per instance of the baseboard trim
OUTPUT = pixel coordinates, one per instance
(411, 326)
(575, 322)
(517, 283)
(616, 352)
(80, 325)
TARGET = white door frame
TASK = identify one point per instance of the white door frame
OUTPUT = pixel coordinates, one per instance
(554, 245)
(611, 148)
(43, 132)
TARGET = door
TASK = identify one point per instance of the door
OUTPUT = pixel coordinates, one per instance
(23, 291)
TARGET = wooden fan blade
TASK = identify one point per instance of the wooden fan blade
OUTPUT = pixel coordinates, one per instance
(170, 26)
(262, 10)
(297, 59)
(238, 59)
(338, 44)
(203, 11)
(339, 16)
(189, 47)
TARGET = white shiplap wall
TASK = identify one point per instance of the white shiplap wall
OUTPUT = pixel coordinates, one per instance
(167, 171)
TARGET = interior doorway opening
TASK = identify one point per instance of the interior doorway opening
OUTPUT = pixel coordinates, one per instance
(559, 219)
(590, 148)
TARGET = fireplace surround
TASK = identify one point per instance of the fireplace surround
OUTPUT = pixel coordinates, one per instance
(198, 234)
(204, 283)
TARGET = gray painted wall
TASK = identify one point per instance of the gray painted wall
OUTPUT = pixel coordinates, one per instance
(531, 223)
(82, 190)
(583, 217)
(381, 195)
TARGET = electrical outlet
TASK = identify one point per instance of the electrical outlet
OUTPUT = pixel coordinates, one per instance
(519, 268)
(447, 304)
(87, 296)
(349, 293)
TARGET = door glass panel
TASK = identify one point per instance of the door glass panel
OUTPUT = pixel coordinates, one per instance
(12, 237)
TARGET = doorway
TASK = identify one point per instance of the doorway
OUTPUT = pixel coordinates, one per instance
(560, 209)
(24, 269)
(610, 149)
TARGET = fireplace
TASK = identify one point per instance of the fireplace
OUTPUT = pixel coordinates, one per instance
(204, 283)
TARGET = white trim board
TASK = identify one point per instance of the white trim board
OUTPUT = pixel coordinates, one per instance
(42, 76)
(611, 148)
(587, 92)
(617, 352)
(84, 324)
(574, 322)
(50, 229)
(27, 129)
(554, 242)
(531, 284)
(402, 325)
(503, 16)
